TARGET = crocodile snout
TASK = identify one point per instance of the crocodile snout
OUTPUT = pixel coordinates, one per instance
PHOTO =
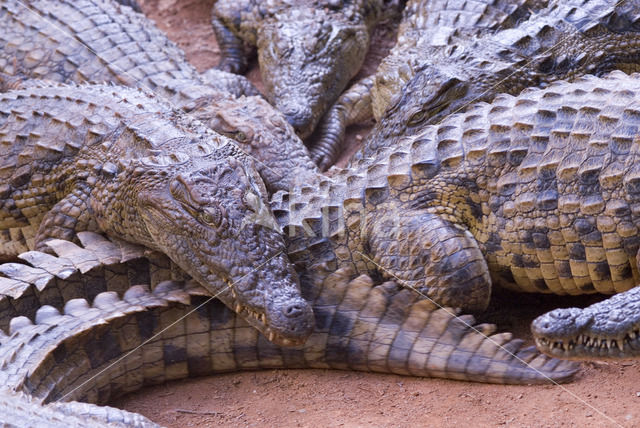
(300, 119)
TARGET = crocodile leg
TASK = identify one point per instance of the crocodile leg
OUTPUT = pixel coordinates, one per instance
(233, 58)
(235, 84)
(353, 106)
(440, 260)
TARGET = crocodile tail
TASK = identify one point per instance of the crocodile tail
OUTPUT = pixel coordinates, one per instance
(96, 265)
(58, 354)
(21, 410)
(388, 329)
(94, 353)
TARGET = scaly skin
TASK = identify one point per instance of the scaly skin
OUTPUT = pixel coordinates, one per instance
(353, 315)
(22, 411)
(97, 352)
(426, 24)
(133, 4)
(307, 50)
(115, 160)
(96, 41)
(568, 39)
(535, 193)
(606, 330)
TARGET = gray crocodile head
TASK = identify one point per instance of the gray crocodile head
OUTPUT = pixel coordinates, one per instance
(213, 220)
(261, 131)
(606, 330)
(307, 57)
(430, 95)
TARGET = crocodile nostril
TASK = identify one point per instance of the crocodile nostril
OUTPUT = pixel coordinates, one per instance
(297, 120)
(295, 310)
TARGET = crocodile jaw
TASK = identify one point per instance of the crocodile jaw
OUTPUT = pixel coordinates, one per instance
(213, 221)
(606, 330)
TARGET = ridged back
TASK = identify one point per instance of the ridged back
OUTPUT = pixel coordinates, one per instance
(89, 41)
(523, 174)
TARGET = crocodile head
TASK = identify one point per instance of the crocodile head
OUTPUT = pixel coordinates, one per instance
(263, 133)
(430, 95)
(212, 219)
(307, 57)
(606, 330)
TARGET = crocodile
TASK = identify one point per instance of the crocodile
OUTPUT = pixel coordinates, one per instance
(167, 330)
(115, 45)
(353, 312)
(535, 193)
(119, 161)
(606, 330)
(567, 39)
(307, 50)
(425, 24)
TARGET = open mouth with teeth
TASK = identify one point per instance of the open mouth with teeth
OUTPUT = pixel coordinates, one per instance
(259, 321)
(278, 334)
(269, 300)
(609, 329)
(585, 346)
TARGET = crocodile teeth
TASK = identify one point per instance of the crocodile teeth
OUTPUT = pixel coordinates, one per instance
(272, 336)
(238, 307)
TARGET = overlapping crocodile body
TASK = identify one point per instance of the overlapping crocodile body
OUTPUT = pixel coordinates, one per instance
(426, 25)
(359, 326)
(116, 160)
(565, 40)
(96, 352)
(535, 193)
(308, 50)
(96, 41)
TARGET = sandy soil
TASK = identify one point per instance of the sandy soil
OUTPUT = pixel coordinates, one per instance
(604, 393)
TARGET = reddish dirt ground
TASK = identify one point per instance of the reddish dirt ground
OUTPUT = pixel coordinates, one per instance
(604, 393)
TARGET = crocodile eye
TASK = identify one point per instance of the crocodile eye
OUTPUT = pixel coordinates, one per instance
(417, 118)
(211, 216)
(240, 136)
